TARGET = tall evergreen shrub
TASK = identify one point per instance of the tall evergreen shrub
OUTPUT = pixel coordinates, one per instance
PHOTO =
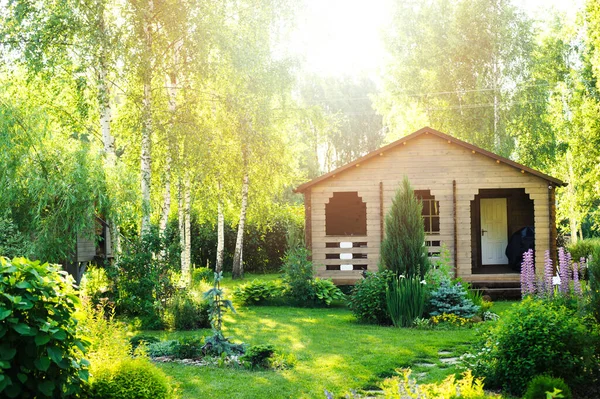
(403, 248)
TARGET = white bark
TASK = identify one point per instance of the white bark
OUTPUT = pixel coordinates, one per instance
(238, 266)
(171, 81)
(147, 128)
(185, 266)
(181, 218)
(220, 232)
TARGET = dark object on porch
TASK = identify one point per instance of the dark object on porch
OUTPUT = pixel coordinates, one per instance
(520, 242)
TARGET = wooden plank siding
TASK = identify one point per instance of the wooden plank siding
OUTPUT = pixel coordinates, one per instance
(430, 163)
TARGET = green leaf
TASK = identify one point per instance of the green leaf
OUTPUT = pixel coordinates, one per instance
(23, 285)
(4, 313)
(7, 353)
(4, 364)
(42, 363)
(46, 387)
(59, 335)
(56, 354)
(4, 381)
(41, 338)
(22, 377)
(24, 329)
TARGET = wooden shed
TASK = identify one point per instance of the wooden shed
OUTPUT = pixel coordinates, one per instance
(473, 202)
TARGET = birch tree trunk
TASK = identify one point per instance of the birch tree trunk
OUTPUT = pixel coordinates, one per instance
(171, 81)
(238, 266)
(185, 266)
(573, 216)
(220, 232)
(181, 219)
(147, 128)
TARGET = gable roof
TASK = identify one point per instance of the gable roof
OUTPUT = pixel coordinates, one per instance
(428, 130)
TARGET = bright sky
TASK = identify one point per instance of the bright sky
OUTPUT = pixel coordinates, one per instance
(343, 37)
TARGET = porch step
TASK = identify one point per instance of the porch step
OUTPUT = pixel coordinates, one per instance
(499, 290)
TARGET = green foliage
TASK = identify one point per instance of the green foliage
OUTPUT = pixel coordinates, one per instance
(258, 356)
(451, 299)
(326, 292)
(440, 269)
(185, 311)
(537, 337)
(298, 275)
(95, 286)
(188, 348)
(257, 292)
(594, 279)
(13, 243)
(130, 379)
(218, 345)
(368, 299)
(583, 248)
(40, 352)
(162, 348)
(402, 249)
(143, 280)
(142, 339)
(405, 298)
(542, 384)
(201, 274)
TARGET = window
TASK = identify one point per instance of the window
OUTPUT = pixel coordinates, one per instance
(345, 215)
(431, 211)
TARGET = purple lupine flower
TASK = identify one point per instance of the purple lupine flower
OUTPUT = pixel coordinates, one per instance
(527, 274)
(576, 283)
(582, 265)
(563, 271)
(548, 274)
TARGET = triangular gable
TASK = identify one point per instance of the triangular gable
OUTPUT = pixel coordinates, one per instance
(428, 130)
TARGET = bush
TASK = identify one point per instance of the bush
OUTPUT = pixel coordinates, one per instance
(258, 356)
(130, 379)
(187, 348)
(257, 292)
(367, 301)
(451, 299)
(298, 275)
(402, 249)
(537, 337)
(40, 354)
(162, 348)
(186, 312)
(95, 286)
(594, 275)
(144, 280)
(202, 274)
(583, 248)
(137, 340)
(405, 298)
(541, 384)
(326, 292)
(13, 243)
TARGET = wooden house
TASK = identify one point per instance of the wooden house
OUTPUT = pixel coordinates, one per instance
(473, 202)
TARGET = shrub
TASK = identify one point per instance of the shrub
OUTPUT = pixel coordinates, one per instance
(440, 270)
(451, 298)
(162, 348)
(326, 292)
(201, 274)
(95, 285)
(139, 339)
(130, 379)
(187, 348)
(449, 320)
(536, 337)
(405, 298)
(594, 275)
(143, 280)
(298, 275)
(186, 312)
(257, 292)
(367, 301)
(40, 354)
(258, 356)
(402, 249)
(13, 243)
(584, 248)
(541, 384)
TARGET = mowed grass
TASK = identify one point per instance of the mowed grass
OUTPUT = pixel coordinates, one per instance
(333, 352)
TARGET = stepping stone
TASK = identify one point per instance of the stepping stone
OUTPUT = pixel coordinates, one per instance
(420, 375)
(449, 360)
(424, 365)
(444, 352)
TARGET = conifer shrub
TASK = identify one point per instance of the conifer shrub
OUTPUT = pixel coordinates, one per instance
(452, 299)
(540, 385)
(41, 355)
(402, 249)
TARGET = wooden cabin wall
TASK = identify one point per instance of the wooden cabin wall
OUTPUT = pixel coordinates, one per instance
(430, 163)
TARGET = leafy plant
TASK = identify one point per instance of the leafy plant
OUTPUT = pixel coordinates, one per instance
(402, 249)
(298, 275)
(140, 339)
(130, 379)
(405, 298)
(187, 348)
(536, 337)
(162, 348)
(258, 356)
(368, 298)
(451, 298)
(95, 285)
(440, 269)
(186, 312)
(594, 276)
(201, 274)
(451, 320)
(326, 291)
(257, 292)
(13, 243)
(40, 352)
(539, 387)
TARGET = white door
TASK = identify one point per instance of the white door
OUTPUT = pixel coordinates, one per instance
(494, 234)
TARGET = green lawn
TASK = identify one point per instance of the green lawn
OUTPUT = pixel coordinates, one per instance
(333, 352)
